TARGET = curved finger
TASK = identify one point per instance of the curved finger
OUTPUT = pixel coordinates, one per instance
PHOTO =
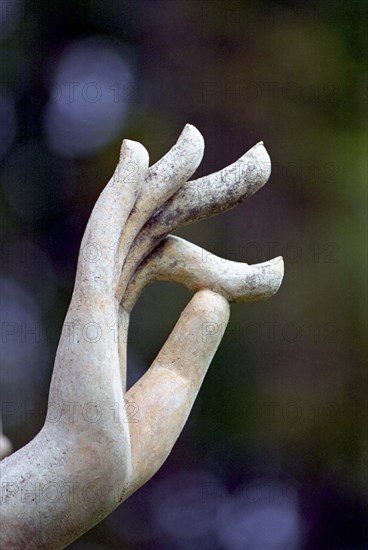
(202, 198)
(162, 180)
(216, 192)
(99, 264)
(165, 395)
(177, 260)
(168, 174)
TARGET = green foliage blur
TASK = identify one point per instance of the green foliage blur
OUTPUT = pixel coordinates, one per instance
(286, 394)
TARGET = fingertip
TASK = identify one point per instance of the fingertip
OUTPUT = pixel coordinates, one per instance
(263, 280)
(192, 141)
(263, 159)
(206, 301)
(133, 151)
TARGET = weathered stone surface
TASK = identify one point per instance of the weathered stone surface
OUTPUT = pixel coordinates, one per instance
(100, 443)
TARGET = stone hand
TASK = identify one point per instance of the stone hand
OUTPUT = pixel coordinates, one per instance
(99, 442)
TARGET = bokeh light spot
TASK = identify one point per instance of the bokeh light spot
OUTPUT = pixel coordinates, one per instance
(89, 97)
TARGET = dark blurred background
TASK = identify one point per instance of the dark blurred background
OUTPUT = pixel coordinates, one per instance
(274, 454)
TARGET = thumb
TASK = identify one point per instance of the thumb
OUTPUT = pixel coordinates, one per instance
(165, 394)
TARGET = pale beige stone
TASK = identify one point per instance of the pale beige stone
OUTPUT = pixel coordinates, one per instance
(100, 443)
(176, 260)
